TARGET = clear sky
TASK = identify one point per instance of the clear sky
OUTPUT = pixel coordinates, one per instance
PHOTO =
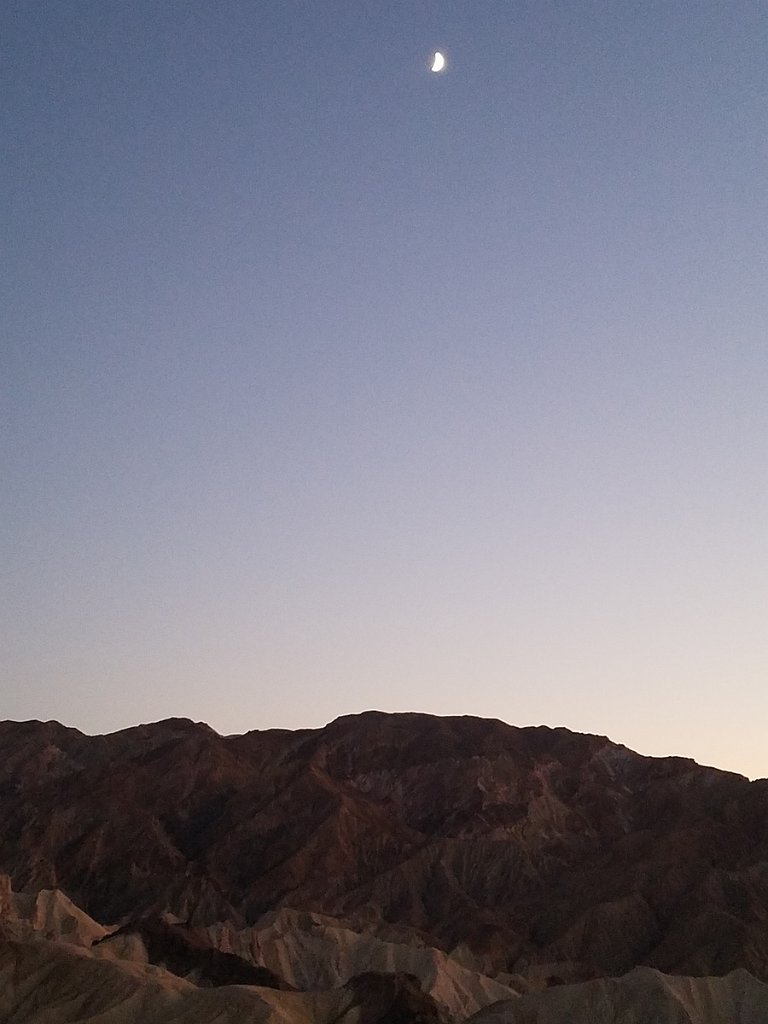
(329, 383)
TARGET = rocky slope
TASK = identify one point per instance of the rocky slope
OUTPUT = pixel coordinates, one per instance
(532, 856)
(57, 965)
(47, 981)
(643, 996)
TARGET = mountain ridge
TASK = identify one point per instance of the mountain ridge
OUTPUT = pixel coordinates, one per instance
(546, 854)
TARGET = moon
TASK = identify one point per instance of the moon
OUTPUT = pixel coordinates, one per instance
(438, 61)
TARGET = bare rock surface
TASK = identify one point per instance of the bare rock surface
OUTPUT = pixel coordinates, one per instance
(314, 952)
(54, 983)
(644, 996)
(533, 856)
(114, 980)
(47, 914)
(187, 953)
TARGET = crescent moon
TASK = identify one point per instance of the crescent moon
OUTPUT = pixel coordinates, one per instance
(438, 61)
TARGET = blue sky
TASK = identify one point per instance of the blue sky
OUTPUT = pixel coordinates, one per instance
(328, 383)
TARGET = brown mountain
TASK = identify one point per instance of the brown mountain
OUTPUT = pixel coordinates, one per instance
(534, 855)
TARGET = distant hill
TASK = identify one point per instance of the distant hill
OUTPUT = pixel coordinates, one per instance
(526, 858)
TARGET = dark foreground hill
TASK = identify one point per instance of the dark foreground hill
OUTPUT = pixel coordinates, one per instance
(534, 856)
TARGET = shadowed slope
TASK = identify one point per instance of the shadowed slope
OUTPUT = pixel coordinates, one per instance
(536, 852)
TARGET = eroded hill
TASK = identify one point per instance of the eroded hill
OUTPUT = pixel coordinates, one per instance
(531, 856)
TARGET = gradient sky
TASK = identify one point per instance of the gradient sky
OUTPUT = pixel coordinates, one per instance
(331, 384)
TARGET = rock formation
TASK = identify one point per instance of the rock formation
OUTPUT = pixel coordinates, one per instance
(478, 860)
